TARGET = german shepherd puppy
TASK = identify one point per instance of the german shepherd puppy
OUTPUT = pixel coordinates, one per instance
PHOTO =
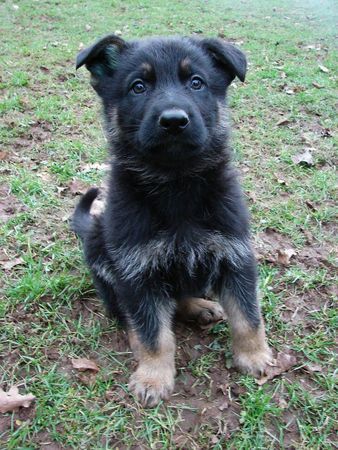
(175, 227)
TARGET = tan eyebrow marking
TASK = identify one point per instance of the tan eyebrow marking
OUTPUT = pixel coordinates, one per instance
(185, 66)
(147, 70)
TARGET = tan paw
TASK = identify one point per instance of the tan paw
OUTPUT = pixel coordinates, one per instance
(210, 312)
(255, 362)
(202, 311)
(150, 388)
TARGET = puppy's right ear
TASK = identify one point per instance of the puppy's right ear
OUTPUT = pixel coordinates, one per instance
(102, 57)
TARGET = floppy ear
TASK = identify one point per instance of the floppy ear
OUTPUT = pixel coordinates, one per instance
(101, 58)
(227, 56)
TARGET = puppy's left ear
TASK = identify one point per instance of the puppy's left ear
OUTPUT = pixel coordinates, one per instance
(229, 57)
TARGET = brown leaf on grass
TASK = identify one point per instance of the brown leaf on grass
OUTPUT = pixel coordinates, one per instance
(10, 263)
(307, 138)
(45, 176)
(284, 256)
(311, 205)
(309, 367)
(12, 400)
(87, 378)
(298, 89)
(293, 90)
(214, 439)
(224, 405)
(3, 155)
(82, 364)
(282, 363)
(77, 187)
(267, 244)
(317, 85)
(304, 158)
(282, 403)
(323, 68)
(283, 121)
(9, 205)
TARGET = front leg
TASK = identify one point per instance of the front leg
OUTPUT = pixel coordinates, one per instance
(152, 341)
(238, 296)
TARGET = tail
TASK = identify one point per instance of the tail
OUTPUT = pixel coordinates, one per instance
(82, 219)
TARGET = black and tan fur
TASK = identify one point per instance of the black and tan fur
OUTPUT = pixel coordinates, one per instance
(175, 227)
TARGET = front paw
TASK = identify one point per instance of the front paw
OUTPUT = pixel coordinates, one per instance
(151, 385)
(254, 362)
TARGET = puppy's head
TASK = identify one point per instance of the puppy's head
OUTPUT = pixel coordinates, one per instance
(161, 96)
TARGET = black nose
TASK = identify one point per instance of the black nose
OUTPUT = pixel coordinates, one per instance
(174, 120)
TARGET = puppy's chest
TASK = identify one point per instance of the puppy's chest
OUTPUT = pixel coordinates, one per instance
(189, 253)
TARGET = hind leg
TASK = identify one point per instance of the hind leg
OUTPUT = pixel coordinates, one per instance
(238, 296)
(106, 292)
(199, 310)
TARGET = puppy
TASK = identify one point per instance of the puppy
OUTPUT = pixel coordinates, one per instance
(175, 227)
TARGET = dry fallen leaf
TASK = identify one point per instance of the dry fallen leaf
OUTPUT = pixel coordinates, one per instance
(317, 85)
(283, 404)
(323, 68)
(223, 406)
(304, 158)
(45, 176)
(282, 363)
(308, 138)
(311, 205)
(77, 187)
(283, 121)
(10, 263)
(3, 155)
(284, 256)
(312, 368)
(12, 400)
(88, 378)
(214, 439)
(83, 364)
(7, 210)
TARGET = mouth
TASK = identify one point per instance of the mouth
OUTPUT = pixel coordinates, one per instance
(180, 146)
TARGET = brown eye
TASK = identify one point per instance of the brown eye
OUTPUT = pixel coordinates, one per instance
(138, 87)
(196, 83)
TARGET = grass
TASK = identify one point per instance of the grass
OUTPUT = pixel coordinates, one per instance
(51, 132)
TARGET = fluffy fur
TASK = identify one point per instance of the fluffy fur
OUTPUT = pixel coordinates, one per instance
(175, 224)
